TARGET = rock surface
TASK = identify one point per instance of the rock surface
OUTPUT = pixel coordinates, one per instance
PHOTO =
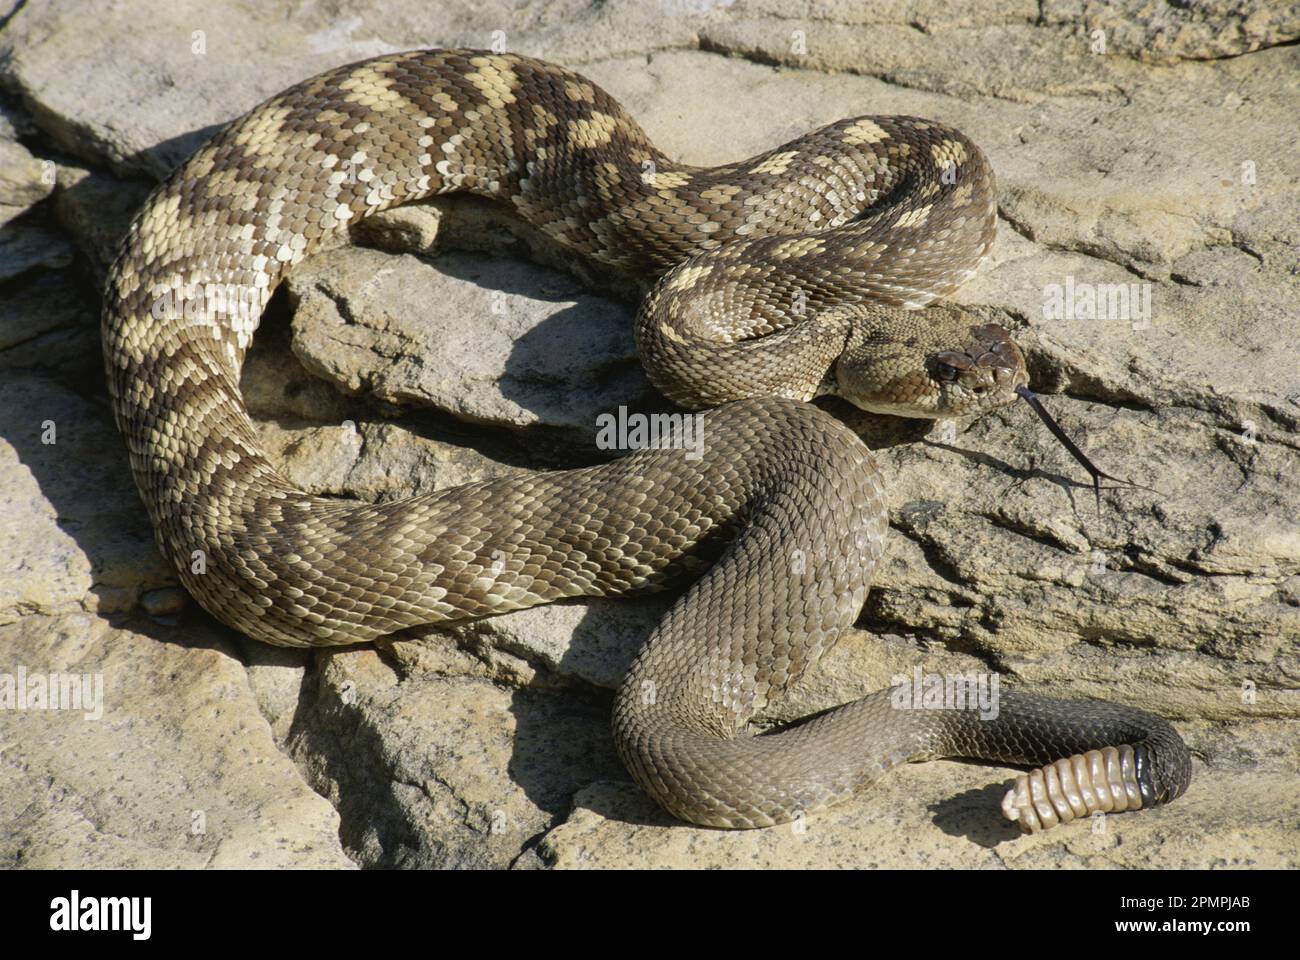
(1139, 146)
(192, 778)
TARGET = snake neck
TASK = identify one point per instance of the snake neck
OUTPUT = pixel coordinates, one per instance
(772, 312)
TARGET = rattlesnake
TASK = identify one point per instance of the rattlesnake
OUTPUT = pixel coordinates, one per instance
(784, 277)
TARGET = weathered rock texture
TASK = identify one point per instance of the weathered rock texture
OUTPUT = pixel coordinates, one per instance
(1141, 144)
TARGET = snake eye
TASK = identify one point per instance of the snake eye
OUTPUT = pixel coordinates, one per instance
(946, 371)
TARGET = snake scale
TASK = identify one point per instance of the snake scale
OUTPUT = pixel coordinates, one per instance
(791, 275)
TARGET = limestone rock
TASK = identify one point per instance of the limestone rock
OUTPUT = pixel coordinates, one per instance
(24, 179)
(28, 245)
(491, 341)
(448, 772)
(1199, 30)
(78, 538)
(172, 767)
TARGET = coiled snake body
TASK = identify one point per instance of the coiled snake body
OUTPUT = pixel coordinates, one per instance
(784, 277)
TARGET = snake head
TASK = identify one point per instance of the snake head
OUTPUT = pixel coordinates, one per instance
(935, 363)
(980, 376)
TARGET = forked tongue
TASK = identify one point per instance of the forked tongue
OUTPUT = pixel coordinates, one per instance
(1031, 398)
